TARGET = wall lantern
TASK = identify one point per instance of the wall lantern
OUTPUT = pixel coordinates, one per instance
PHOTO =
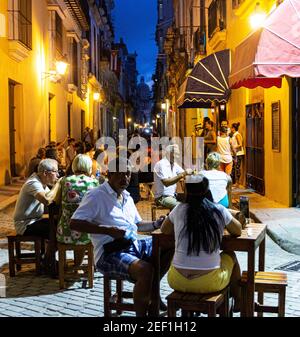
(61, 67)
(157, 116)
(222, 107)
(96, 96)
(153, 121)
(163, 106)
(129, 120)
(258, 17)
(212, 110)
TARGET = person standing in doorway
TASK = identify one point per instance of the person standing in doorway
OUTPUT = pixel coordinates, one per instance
(237, 145)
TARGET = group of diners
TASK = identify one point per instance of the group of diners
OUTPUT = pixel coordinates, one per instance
(105, 213)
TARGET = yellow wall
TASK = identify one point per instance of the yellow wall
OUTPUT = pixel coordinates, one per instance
(278, 168)
(32, 115)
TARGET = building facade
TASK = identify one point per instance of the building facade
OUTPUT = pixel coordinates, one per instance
(55, 76)
(202, 28)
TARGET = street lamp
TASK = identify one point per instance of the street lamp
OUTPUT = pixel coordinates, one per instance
(258, 17)
(96, 96)
(129, 120)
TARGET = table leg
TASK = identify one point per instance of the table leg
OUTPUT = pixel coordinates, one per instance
(261, 267)
(250, 283)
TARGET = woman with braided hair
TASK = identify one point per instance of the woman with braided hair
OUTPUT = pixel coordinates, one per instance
(198, 225)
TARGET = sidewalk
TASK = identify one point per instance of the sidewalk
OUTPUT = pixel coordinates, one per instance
(283, 222)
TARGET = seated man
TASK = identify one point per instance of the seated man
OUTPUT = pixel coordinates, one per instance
(109, 214)
(166, 175)
(29, 210)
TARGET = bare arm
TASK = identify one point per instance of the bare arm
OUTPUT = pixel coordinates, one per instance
(42, 198)
(167, 227)
(229, 190)
(234, 227)
(172, 181)
(88, 227)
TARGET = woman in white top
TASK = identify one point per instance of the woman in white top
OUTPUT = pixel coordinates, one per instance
(224, 149)
(219, 182)
(198, 225)
(237, 145)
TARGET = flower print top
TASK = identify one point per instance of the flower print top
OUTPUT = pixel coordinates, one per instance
(73, 188)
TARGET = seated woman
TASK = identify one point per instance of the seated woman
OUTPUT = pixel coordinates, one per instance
(198, 225)
(68, 192)
(220, 183)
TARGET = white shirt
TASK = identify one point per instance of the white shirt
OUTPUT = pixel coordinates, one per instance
(224, 150)
(203, 261)
(28, 209)
(162, 170)
(102, 207)
(218, 181)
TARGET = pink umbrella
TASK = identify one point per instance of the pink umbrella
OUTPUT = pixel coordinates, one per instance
(270, 52)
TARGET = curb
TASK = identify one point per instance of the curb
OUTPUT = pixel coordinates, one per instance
(9, 201)
(286, 242)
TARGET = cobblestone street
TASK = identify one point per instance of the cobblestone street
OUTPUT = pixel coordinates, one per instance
(28, 295)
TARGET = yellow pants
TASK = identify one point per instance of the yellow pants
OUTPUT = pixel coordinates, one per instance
(214, 281)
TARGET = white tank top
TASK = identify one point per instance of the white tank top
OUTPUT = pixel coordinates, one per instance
(224, 150)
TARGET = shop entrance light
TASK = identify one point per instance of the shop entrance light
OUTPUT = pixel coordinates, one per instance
(258, 17)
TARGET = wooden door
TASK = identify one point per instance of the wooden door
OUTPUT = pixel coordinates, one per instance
(255, 154)
(296, 142)
(12, 129)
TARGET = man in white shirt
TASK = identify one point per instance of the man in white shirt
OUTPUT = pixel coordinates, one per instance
(166, 175)
(109, 214)
(32, 199)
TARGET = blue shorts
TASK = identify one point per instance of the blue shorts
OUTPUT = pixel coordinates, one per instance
(117, 264)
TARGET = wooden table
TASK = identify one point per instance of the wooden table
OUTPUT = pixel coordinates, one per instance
(252, 237)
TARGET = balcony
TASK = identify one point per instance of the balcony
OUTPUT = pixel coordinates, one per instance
(217, 24)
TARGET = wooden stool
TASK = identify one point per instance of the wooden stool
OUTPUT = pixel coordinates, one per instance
(207, 303)
(115, 301)
(89, 269)
(17, 258)
(155, 208)
(267, 282)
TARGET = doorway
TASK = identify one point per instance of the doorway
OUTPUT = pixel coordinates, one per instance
(255, 154)
(69, 118)
(51, 120)
(12, 128)
(296, 142)
(82, 121)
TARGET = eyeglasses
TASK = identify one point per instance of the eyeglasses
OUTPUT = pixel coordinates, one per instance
(53, 171)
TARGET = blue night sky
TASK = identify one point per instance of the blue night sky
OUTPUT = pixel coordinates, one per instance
(135, 21)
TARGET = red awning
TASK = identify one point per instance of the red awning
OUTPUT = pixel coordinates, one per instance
(270, 52)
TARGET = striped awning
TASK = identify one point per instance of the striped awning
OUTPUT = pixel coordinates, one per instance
(207, 83)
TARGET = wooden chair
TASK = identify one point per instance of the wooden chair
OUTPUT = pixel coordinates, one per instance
(155, 208)
(267, 282)
(116, 301)
(17, 257)
(62, 265)
(205, 303)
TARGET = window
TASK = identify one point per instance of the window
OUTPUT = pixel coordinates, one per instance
(216, 16)
(59, 33)
(161, 13)
(20, 16)
(236, 3)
